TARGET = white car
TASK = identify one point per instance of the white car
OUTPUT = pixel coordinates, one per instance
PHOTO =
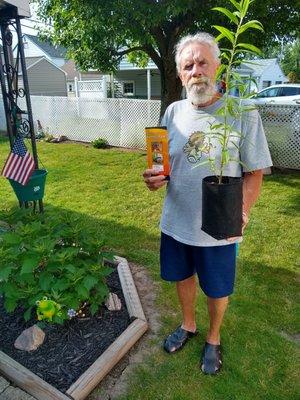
(278, 94)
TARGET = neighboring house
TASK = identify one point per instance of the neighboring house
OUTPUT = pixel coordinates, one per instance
(140, 83)
(266, 72)
(44, 77)
(34, 47)
(73, 73)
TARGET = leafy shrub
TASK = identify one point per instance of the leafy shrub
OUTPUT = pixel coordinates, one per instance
(100, 143)
(54, 258)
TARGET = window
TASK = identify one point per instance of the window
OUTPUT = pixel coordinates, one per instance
(278, 82)
(266, 84)
(128, 88)
(269, 93)
(290, 91)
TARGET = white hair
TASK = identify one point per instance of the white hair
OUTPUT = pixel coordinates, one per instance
(201, 38)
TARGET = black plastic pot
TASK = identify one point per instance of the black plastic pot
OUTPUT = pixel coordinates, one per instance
(222, 207)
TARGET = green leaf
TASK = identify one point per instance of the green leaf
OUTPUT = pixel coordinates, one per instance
(61, 285)
(219, 37)
(250, 47)
(10, 304)
(45, 281)
(27, 314)
(251, 24)
(228, 13)
(244, 5)
(5, 272)
(220, 71)
(201, 163)
(29, 264)
(89, 282)
(225, 156)
(236, 5)
(94, 308)
(70, 268)
(11, 238)
(226, 32)
(82, 292)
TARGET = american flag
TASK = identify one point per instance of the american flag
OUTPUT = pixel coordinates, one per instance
(19, 164)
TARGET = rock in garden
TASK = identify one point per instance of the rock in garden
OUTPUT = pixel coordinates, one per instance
(113, 303)
(30, 339)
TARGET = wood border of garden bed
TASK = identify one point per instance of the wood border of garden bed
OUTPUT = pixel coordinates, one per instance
(80, 389)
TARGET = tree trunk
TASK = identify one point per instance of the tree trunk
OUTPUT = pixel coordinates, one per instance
(171, 87)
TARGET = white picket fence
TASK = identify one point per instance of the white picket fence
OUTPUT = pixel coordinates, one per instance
(122, 121)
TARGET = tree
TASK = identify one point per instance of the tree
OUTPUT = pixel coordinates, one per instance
(98, 34)
(291, 61)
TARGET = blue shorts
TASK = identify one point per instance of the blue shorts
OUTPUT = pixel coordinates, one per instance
(215, 266)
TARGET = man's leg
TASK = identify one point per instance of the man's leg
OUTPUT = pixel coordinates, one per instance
(216, 310)
(187, 290)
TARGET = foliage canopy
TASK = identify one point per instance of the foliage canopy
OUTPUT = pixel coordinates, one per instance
(98, 34)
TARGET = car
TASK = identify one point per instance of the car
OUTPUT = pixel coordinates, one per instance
(288, 93)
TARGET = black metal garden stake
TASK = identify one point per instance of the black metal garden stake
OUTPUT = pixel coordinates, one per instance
(18, 121)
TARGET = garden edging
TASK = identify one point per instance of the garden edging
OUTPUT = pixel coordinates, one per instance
(42, 390)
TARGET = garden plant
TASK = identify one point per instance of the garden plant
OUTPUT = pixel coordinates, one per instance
(51, 267)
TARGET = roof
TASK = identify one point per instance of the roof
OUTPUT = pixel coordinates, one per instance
(258, 66)
(51, 50)
(30, 61)
(126, 65)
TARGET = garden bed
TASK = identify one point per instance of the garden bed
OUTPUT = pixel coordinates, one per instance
(77, 355)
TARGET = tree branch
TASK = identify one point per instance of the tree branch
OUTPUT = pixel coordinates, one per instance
(127, 51)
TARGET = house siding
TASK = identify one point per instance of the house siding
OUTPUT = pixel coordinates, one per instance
(140, 82)
(46, 80)
(273, 74)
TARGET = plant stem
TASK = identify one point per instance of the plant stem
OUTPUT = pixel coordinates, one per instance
(227, 80)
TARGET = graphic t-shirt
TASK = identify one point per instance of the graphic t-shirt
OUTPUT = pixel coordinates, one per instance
(190, 145)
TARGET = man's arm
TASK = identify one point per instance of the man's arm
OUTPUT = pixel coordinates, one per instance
(251, 189)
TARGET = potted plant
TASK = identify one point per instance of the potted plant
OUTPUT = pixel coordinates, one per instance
(222, 195)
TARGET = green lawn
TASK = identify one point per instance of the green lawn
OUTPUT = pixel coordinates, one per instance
(104, 189)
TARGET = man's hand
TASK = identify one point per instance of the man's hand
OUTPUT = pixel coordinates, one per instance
(153, 180)
(245, 220)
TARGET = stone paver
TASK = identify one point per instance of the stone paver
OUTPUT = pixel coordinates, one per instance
(3, 384)
(14, 393)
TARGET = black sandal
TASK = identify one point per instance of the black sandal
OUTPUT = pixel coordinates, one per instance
(177, 340)
(211, 359)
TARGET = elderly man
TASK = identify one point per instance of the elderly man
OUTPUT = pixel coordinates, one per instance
(185, 249)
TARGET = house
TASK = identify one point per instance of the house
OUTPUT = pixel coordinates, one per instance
(44, 77)
(265, 72)
(34, 47)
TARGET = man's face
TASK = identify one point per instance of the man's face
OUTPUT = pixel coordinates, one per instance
(198, 69)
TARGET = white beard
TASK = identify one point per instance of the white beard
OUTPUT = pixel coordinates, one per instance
(200, 94)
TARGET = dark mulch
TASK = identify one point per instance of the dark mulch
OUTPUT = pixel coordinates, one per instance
(70, 349)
